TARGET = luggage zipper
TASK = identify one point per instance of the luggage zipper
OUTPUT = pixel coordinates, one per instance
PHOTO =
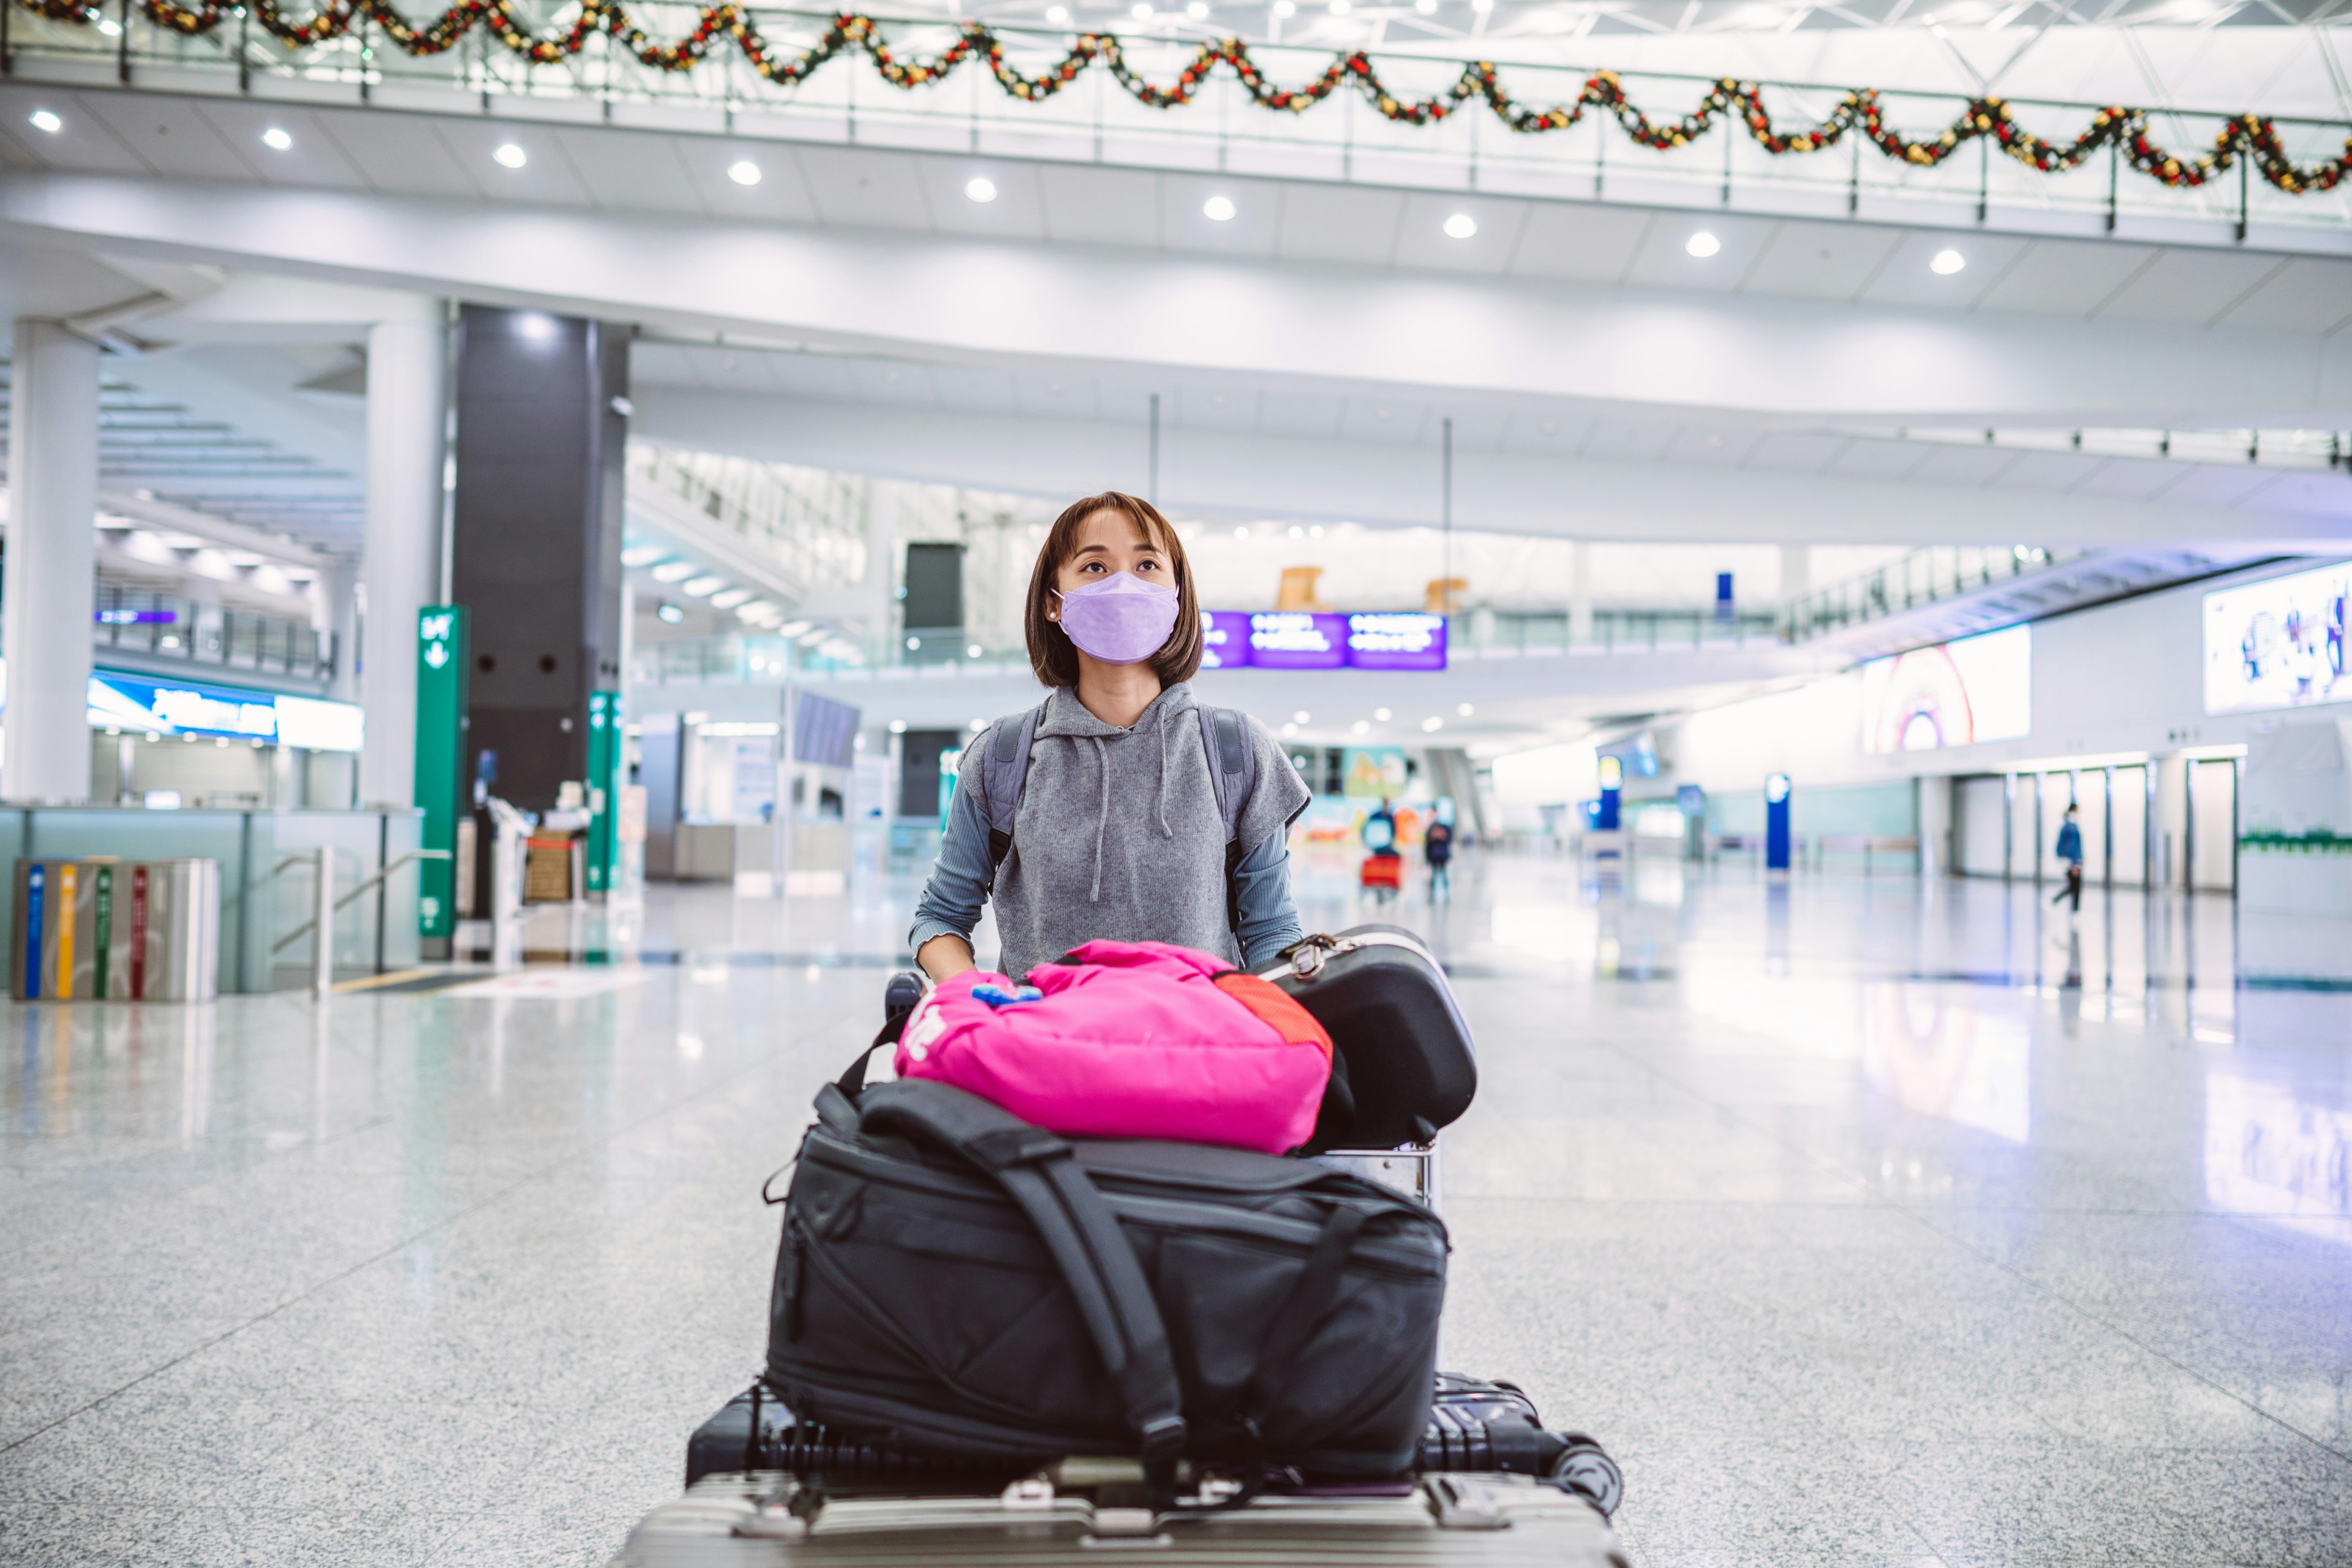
(795, 1279)
(1304, 960)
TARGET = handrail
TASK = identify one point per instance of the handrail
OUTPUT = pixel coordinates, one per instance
(291, 938)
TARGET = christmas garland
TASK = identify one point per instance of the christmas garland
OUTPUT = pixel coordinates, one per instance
(2252, 137)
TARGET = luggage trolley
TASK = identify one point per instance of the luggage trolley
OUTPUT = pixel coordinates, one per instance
(1490, 1484)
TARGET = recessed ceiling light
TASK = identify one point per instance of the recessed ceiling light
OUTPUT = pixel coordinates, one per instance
(1702, 245)
(1461, 225)
(1218, 209)
(1314, 530)
(642, 554)
(1284, 8)
(981, 188)
(1361, 728)
(729, 599)
(1057, 13)
(974, 651)
(1382, 714)
(1431, 725)
(109, 26)
(793, 628)
(898, 726)
(743, 171)
(671, 615)
(1339, 8)
(277, 139)
(1466, 710)
(1426, 7)
(1196, 10)
(1141, 11)
(701, 585)
(45, 122)
(1300, 717)
(1482, 7)
(1947, 262)
(1242, 531)
(510, 155)
(671, 571)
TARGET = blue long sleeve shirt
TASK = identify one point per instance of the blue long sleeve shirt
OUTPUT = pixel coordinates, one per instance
(2069, 843)
(959, 883)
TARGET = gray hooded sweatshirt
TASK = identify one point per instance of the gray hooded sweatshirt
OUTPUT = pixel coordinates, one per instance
(1117, 836)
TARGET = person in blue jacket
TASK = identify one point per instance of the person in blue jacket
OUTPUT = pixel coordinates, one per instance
(2070, 850)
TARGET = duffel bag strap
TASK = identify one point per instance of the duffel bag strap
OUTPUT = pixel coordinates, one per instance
(1035, 1170)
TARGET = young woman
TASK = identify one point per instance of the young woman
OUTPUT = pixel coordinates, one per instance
(1118, 832)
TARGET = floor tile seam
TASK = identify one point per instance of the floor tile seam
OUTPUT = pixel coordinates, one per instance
(579, 1151)
(1921, 1219)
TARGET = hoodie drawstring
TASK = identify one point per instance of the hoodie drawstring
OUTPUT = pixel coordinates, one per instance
(1102, 761)
(1163, 719)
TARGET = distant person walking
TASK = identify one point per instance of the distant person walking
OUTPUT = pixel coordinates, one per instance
(2070, 850)
(1437, 845)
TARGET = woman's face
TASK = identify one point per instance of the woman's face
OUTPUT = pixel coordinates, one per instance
(1109, 543)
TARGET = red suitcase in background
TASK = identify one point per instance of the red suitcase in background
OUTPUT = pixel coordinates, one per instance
(1383, 874)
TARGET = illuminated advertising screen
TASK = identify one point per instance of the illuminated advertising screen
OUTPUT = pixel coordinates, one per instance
(1953, 694)
(122, 702)
(2278, 643)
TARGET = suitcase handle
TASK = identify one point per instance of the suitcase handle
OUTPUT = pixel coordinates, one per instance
(1080, 1233)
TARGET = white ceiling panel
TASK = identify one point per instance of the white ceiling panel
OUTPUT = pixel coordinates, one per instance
(2211, 485)
(1664, 260)
(547, 174)
(170, 137)
(1910, 279)
(781, 196)
(631, 171)
(2132, 478)
(1339, 222)
(1712, 447)
(1254, 228)
(1384, 423)
(1617, 439)
(1101, 206)
(2319, 496)
(313, 159)
(813, 375)
(1551, 434)
(1819, 260)
(1965, 466)
(865, 187)
(1589, 244)
(2047, 471)
(2062, 278)
(974, 391)
(1421, 239)
(732, 370)
(1294, 413)
(1214, 408)
(1793, 452)
(85, 143)
(2307, 295)
(1879, 460)
(1059, 396)
(399, 153)
(2189, 287)
(900, 383)
(660, 364)
(1475, 430)
(1018, 210)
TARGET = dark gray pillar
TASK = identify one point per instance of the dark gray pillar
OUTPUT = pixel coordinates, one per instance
(536, 537)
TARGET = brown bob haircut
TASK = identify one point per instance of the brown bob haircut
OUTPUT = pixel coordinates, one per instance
(1051, 653)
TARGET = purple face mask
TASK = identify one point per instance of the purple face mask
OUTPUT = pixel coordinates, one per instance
(1122, 619)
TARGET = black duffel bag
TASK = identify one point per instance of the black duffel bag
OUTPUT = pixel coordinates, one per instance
(954, 1280)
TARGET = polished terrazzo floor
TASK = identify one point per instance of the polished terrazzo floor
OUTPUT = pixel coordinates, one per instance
(1866, 1223)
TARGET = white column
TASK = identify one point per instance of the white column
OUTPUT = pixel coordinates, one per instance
(52, 514)
(1580, 592)
(1796, 572)
(400, 567)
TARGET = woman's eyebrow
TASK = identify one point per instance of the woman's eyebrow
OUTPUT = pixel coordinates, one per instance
(1090, 549)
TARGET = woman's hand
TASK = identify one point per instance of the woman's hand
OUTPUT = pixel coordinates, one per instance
(945, 957)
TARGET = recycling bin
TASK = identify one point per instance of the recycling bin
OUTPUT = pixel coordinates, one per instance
(127, 931)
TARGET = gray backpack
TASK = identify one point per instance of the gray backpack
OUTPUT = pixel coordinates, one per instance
(1233, 769)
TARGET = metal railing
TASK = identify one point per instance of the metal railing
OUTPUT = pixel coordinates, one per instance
(163, 627)
(1912, 582)
(1097, 119)
(808, 523)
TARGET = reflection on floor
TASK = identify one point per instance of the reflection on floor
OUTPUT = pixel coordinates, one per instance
(1868, 1222)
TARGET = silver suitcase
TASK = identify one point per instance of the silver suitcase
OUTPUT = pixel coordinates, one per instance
(767, 1519)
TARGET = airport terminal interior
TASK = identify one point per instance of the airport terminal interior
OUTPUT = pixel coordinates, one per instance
(1796, 556)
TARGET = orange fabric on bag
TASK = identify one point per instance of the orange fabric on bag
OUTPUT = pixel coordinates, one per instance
(1275, 1007)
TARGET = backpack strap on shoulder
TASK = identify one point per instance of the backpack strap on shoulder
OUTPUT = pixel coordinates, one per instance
(1232, 763)
(1008, 769)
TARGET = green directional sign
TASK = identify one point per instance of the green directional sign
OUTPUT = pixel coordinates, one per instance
(441, 643)
(603, 788)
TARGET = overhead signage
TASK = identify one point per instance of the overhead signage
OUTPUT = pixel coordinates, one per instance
(441, 699)
(121, 701)
(1322, 639)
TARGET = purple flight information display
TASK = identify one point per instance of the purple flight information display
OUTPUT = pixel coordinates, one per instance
(1298, 639)
(1225, 639)
(1301, 639)
(1396, 640)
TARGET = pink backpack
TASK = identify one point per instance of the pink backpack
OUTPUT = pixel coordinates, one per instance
(1130, 1039)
